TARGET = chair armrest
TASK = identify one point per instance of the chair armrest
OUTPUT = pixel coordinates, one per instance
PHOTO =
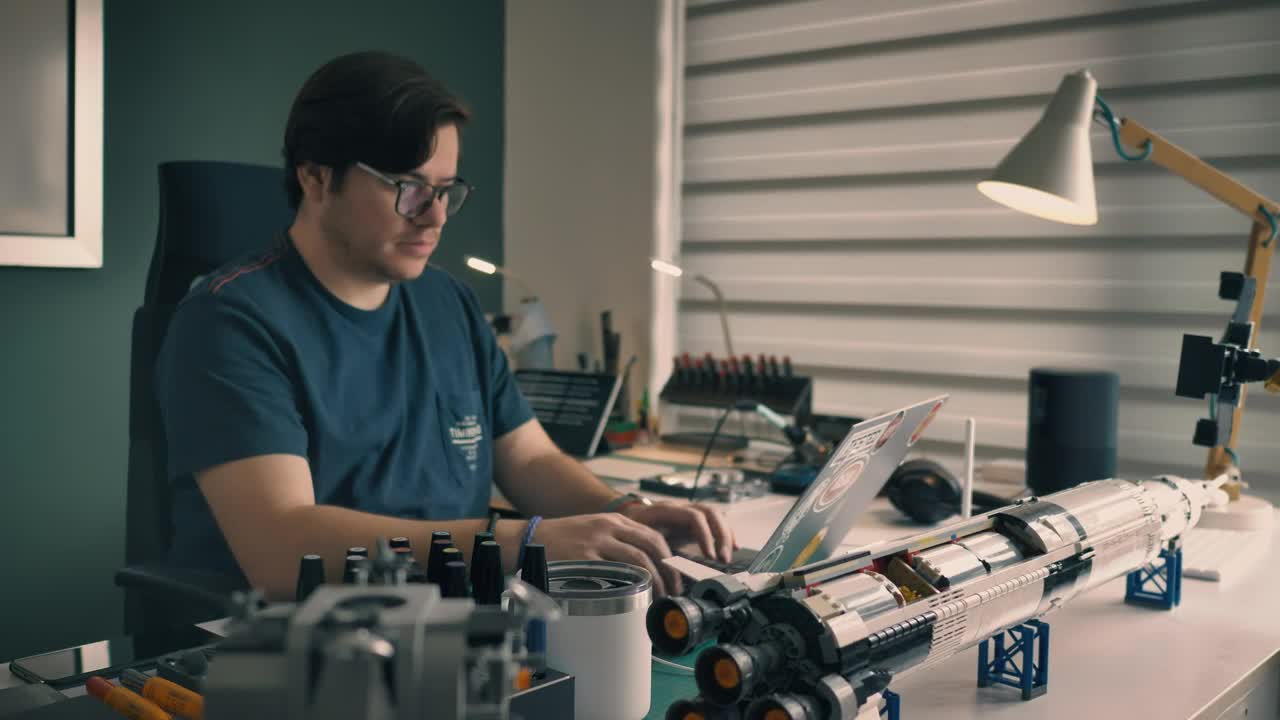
(182, 585)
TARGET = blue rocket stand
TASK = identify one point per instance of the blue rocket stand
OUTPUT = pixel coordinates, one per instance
(1158, 584)
(1024, 664)
(892, 704)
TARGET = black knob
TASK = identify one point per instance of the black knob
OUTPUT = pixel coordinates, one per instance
(310, 576)
(486, 578)
(435, 560)
(400, 542)
(448, 555)
(455, 580)
(358, 550)
(441, 535)
(534, 569)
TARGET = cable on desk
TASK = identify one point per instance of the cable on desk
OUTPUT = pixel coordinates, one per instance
(738, 404)
(684, 669)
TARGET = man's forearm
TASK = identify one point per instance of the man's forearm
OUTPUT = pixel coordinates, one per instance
(556, 485)
(328, 531)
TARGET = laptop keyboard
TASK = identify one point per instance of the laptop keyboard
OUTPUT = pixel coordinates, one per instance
(741, 560)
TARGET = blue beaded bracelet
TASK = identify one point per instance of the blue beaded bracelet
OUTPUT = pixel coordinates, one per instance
(528, 538)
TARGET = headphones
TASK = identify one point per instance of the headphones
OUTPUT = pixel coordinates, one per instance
(925, 492)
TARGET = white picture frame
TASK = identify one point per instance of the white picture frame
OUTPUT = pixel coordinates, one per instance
(83, 247)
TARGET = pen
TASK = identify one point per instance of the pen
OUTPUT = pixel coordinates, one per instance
(167, 694)
(124, 701)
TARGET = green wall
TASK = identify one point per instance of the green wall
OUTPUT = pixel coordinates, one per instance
(184, 80)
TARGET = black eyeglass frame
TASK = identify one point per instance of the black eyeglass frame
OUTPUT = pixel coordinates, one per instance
(437, 192)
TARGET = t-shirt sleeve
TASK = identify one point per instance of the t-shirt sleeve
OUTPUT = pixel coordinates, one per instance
(223, 389)
(507, 405)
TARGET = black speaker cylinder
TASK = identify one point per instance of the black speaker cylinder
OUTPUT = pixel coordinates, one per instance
(1071, 427)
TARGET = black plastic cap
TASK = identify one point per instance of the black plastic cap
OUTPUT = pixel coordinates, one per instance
(486, 576)
(358, 550)
(455, 580)
(310, 576)
(435, 560)
(400, 542)
(534, 569)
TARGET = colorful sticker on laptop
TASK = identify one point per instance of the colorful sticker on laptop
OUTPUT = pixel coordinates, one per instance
(840, 482)
(924, 424)
(771, 558)
(811, 548)
(889, 430)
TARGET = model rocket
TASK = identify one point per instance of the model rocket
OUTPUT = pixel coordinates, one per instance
(818, 642)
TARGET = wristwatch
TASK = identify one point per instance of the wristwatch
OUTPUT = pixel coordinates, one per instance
(616, 504)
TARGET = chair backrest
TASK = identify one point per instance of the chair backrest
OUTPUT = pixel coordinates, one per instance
(210, 213)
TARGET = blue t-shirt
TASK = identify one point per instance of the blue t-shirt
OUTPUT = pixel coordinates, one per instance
(395, 409)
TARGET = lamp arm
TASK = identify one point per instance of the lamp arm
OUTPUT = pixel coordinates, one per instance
(1197, 172)
(1258, 261)
(724, 314)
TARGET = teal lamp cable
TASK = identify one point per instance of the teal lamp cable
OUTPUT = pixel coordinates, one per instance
(1105, 111)
(1271, 218)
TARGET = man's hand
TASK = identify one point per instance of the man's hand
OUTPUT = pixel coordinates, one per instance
(684, 523)
(610, 536)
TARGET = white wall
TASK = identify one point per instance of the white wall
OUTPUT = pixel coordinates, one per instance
(582, 173)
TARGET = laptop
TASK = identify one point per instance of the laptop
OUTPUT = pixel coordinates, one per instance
(824, 514)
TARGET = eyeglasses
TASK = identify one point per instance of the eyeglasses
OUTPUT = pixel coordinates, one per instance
(413, 197)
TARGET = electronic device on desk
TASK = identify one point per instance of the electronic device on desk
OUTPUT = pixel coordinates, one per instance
(573, 407)
(71, 666)
(723, 484)
(717, 383)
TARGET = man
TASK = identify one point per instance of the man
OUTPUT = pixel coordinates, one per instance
(337, 389)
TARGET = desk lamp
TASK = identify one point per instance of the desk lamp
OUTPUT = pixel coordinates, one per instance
(1049, 174)
(533, 336)
(667, 268)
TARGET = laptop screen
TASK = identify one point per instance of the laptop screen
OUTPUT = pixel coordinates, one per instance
(854, 474)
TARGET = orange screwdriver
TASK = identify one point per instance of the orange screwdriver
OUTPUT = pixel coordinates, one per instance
(167, 694)
(124, 701)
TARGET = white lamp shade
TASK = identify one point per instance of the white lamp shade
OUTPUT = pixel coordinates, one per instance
(1049, 173)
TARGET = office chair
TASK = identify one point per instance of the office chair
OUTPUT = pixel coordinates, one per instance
(210, 214)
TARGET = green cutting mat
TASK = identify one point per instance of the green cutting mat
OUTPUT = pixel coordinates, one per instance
(670, 684)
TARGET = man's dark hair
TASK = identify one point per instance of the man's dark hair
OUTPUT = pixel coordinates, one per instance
(371, 107)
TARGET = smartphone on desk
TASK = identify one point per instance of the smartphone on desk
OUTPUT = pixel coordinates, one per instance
(72, 666)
